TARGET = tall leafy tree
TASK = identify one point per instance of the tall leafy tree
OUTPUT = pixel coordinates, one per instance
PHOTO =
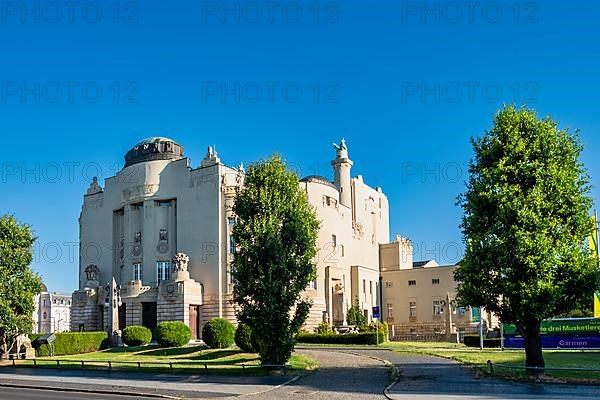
(275, 236)
(526, 220)
(18, 284)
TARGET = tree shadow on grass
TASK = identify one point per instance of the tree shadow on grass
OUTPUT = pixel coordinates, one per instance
(213, 355)
(172, 351)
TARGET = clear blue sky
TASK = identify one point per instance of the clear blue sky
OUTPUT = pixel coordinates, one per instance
(406, 86)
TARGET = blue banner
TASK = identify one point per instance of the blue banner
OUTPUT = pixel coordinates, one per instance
(557, 342)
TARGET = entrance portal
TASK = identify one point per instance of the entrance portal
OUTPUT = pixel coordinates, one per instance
(149, 316)
(195, 321)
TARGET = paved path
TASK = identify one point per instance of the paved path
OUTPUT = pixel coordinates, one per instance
(343, 373)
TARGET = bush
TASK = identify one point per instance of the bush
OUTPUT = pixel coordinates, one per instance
(324, 329)
(173, 334)
(473, 341)
(244, 338)
(67, 343)
(347, 338)
(355, 315)
(137, 336)
(218, 333)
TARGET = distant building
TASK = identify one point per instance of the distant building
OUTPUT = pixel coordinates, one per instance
(419, 297)
(52, 312)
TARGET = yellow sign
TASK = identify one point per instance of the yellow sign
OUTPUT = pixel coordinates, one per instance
(597, 304)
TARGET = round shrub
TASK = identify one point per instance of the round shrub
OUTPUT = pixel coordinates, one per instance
(218, 333)
(136, 336)
(244, 339)
(173, 334)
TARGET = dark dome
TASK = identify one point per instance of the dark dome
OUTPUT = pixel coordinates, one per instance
(154, 148)
(318, 179)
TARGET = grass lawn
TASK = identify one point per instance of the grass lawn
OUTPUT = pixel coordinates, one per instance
(478, 359)
(187, 360)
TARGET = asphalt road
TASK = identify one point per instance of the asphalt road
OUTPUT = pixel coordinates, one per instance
(7, 393)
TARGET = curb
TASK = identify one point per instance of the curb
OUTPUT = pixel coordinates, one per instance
(83, 390)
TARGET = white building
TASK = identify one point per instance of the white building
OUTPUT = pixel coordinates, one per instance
(52, 312)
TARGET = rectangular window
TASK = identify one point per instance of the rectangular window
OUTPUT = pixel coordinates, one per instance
(435, 281)
(390, 310)
(437, 307)
(364, 286)
(412, 283)
(370, 287)
(412, 309)
(231, 221)
(334, 240)
(312, 285)
(137, 206)
(164, 203)
(138, 272)
(342, 250)
(231, 245)
(163, 268)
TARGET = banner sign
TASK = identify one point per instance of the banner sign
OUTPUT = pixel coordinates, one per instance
(557, 342)
(561, 327)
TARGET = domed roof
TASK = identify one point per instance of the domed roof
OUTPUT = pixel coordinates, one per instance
(318, 179)
(152, 149)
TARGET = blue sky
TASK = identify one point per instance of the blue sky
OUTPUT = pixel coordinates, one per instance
(406, 83)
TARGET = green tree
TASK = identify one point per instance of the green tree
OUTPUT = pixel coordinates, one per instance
(526, 220)
(275, 237)
(355, 315)
(18, 284)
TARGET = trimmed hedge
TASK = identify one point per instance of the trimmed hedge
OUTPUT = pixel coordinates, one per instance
(173, 334)
(68, 343)
(137, 335)
(218, 333)
(473, 341)
(244, 339)
(346, 338)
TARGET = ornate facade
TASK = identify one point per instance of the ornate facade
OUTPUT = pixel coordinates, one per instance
(161, 229)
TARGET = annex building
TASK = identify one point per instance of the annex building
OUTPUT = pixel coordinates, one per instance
(161, 246)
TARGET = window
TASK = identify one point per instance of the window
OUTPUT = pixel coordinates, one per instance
(435, 281)
(163, 203)
(437, 307)
(390, 310)
(370, 287)
(231, 245)
(138, 272)
(364, 286)
(45, 315)
(54, 301)
(137, 206)
(334, 240)
(342, 250)
(162, 270)
(389, 284)
(62, 302)
(312, 285)
(413, 332)
(461, 310)
(231, 221)
(412, 309)
(412, 283)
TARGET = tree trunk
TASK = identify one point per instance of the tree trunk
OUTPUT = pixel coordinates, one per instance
(534, 358)
(3, 347)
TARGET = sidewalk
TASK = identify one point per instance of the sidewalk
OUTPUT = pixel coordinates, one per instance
(140, 384)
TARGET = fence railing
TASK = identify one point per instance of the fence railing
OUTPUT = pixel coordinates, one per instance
(110, 364)
(493, 366)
